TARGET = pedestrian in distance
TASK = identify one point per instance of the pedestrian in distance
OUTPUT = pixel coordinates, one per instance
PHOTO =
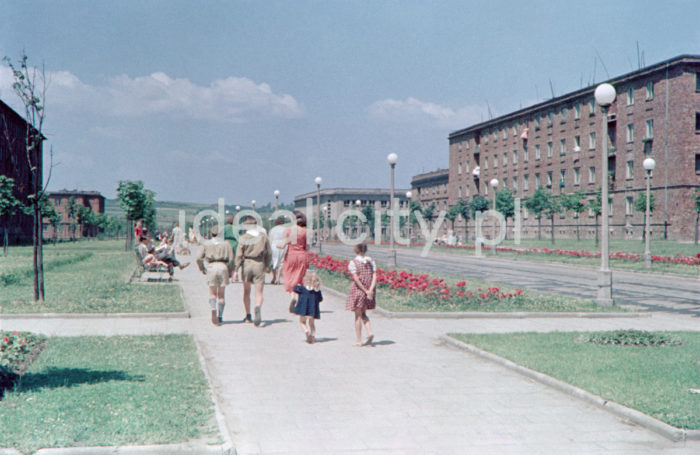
(253, 257)
(308, 304)
(215, 260)
(361, 297)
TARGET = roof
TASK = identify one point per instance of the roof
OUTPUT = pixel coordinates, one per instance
(65, 192)
(377, 192)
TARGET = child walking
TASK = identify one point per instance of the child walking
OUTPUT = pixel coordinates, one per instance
(308, 304)
(361, 296)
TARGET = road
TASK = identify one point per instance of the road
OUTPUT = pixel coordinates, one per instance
(655, 292)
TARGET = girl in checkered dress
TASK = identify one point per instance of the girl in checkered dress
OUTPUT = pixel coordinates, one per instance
(361, 296)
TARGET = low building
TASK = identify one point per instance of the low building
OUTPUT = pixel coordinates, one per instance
(14, 164)
(69, 227)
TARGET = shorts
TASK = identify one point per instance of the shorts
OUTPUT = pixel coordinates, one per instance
(217, 274)
(253, 271)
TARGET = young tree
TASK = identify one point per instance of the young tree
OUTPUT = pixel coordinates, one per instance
(552, 209)
(451, 216)
(538, 203)
(464, 212)
(640, 205)
(138, 204)
(429, 215)
(368, 212)
(505, 204)
(72, 210)
(30, 86)
(573, 202)
(8, 205)
(478, 204)
(49, 213)
(596, 207)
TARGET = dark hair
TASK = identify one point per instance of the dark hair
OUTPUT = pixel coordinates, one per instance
(143, 238)
(280, 220)
(301, 218)
(360, 248)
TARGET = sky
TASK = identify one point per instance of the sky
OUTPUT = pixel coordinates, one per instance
(236, 99)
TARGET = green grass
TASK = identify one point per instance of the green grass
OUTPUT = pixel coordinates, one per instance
(532, 302)
(83, 277)
(97, 391)
(654, 380)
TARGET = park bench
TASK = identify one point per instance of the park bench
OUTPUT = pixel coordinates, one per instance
(145, 273)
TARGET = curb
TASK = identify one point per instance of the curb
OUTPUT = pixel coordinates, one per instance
(634, 416)
(491, 315)
(183, 314)
(164, 449)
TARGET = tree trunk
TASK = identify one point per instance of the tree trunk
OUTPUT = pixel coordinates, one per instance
(39, 251)
(644, 229)
(539, 228)
(697, 218)
(596, 230)
(578, 228)
(552, 219)
(5, 237)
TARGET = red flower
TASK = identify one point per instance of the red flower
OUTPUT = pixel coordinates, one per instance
(461, 284)
(6, 339)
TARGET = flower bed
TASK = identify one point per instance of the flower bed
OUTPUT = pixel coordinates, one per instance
(421, 291)
(17, 351)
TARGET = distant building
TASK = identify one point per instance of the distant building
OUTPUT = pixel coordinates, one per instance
(557, 144)
(14, 164)
(431, 188)
(69, 227)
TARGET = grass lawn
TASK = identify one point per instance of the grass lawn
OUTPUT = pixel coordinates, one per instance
(82, 277)
(531, 301)
(654, 380)
(97, 391)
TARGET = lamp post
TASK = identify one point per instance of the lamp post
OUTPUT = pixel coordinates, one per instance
(392, 158)
(604, 96)
(409, 196)
(252, 203)
(318, 181)
(358, 203)
(277, 199)
(649, 165)
(494, 185)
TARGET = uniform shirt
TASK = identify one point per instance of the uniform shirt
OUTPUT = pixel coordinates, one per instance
(254, 245)
(216, 250)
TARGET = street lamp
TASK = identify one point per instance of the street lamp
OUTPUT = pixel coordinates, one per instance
(409, 196)
(318, 181)
(238, 208)
(277, 199)
(649, 165)
(392, 158)
(494, 185)
(604, 96)
(253, 203)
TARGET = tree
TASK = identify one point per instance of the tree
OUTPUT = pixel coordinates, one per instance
(551, 210)
(505, 203)
(30, 86)
(429, 215)
(463, 210)
(72, 209)
(138, 204)
(452, 214)
(49, 212)
(478, 204)
(538, 203)
(8, 205)
(368, 212)
(573, 202)
(596, 206)
(640, 205)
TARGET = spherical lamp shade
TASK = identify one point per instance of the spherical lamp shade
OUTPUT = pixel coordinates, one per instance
(358, 202)
(409, 195)
(494, 183)
(605, 94)
(277, 193)
(253, 201)
(649, 164)
(238, 207)
(392, 158)
(318, 180)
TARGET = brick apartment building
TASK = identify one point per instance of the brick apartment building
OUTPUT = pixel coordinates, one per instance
(61, 200)
(431, 188)
(14, 164)
(557, 144)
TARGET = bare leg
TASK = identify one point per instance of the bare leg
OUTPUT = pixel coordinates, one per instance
(302, 323)
(312, 327)
(358, 326)
(368, 326)
(258, 294)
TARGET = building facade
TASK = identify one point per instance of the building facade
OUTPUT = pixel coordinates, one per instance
(557, 144)
(432, 188)
(69, 228)
(15, 163)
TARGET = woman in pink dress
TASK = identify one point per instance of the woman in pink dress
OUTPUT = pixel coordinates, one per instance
(296, 262)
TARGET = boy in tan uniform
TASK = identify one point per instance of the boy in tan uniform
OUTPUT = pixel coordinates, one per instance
(254, 255)
(218, 255)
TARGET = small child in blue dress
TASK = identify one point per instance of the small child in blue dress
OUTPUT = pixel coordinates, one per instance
(307, 306)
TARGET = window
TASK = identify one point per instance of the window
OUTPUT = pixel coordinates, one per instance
(591, 107)
(537, 152)
(577, 111)
(550, 118)
(515, 130)
(505, 183)
(495, 161)
(459, 168)
(525, 213)
(630, 132)
(563, 114)
(697, 163)
(550, 152)
(486, 162)
(650, 129)
(537, 180)
(697, 82)
(526, 183)
(505, 133)
(577, 143)
(630, 96)
(526, 154)
(459, 192)
(610, 209)
(505, 158)
(495, 135)
(538, 118)
(515, 184)
(650, 90)
(562, 177)
(591, 141)
(466, 145)
(459, 146)
(629, 205)
(562, 147)
(697, 122)
(549, 179)
(515, 157)
(629, 170)
(466, 167)
(591, 174)
(577, 176)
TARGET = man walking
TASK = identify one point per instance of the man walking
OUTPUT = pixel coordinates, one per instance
(218, 255)
(254, 256)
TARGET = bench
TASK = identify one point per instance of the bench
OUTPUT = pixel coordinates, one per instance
(144, 272)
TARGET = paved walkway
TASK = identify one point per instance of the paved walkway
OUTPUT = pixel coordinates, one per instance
(409, 394)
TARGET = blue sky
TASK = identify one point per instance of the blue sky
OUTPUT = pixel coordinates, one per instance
(235, 99)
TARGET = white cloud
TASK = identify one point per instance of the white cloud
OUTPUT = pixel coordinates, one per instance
(233, 99)
(414, 111)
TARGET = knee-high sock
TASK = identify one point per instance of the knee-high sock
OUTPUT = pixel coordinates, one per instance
(221, 305)
(212, 304)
